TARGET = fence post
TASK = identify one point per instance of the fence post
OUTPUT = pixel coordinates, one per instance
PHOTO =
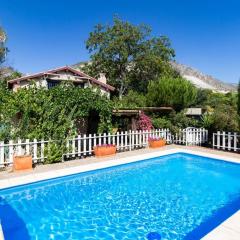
(213, 140)
(73, 147)
(42, 150)
(137, 138)
(90, 144)
(27, 147)
(104, 138)
(109, 138)
(229, 141)
(1, 152)
(140, 138)
(79, 145)
(113, 139)
(235, 142)
(130, 140)
(100, 139)
(121, 140)
(67, 146)
(11, 151)
(84, 145)
(218, 139)
(126, 140)
(19, 147)
(94, 140)
(223, 140)
(201, 131)
(133, 139)
(35, 149)
(117, 140)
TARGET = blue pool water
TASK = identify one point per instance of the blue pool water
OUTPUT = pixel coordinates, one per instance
(179, 196)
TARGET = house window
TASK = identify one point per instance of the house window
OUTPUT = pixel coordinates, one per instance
(52, 83)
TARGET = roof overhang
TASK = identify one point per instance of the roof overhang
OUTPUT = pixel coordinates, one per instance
(138, 110)
(78, 73)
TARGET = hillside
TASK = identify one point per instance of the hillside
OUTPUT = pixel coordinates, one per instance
(198, 78)
(202, 80)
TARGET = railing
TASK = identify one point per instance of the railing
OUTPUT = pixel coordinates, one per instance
(80, 146)
(191, 136)
(226, 141)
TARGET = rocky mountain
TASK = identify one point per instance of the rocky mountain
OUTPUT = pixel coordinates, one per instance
(202, 80)
(197, 78)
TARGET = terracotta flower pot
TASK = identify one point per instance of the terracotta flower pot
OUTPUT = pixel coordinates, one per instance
(157, 143)
(101, 151)
(23, 162)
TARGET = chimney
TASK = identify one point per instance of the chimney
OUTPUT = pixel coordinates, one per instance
(102, 78)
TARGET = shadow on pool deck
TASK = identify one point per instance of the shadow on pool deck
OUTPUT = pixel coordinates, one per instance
(216, 219)
(12, 223)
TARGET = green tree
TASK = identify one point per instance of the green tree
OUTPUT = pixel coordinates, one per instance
(131, 100)
(202, 96)
(128, 55)
(3, 48)
(174, 92)
(238, 101)
(225, 118)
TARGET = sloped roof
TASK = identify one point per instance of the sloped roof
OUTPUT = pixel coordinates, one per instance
(65, 68)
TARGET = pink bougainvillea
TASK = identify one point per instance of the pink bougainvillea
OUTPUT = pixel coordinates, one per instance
(144, 122)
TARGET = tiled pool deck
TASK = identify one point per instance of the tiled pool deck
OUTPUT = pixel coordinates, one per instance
(228, 230)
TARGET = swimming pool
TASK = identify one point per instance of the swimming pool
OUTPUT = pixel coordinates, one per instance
(180, 196)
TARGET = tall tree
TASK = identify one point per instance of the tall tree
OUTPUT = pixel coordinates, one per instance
(178, 93)
(3, 49)
(128, 55)
(238, 103)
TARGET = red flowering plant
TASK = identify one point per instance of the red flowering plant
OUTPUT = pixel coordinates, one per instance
(144, 122)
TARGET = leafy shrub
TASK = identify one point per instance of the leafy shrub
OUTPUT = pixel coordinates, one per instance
(175, 121)
(161, 122)
(225, 118)
(54, 151)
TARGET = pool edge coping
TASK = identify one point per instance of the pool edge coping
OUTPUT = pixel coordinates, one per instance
(229, 226)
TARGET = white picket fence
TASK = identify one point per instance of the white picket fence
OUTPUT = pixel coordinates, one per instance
(80, 146)
(191, 136)
(226, 141)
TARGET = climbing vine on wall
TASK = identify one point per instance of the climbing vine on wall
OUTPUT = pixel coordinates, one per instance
(50, 114)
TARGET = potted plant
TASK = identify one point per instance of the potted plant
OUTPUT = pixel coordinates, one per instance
(22, 162)
(156, 142)
(104, 150)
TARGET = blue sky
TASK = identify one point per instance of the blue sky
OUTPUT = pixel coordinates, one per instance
(44, 34)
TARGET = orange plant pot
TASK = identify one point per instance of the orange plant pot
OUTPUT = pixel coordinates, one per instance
(23, 162)
(101, 151)
(157, 143)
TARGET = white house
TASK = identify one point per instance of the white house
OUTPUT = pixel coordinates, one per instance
(54, 77)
